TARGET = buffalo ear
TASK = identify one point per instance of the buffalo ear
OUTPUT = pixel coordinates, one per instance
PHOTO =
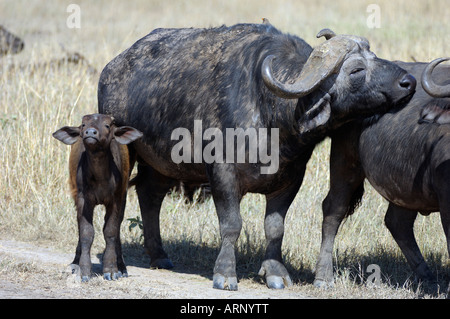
(67, 134)
(434, 114)
(316, 116)
(126, 134)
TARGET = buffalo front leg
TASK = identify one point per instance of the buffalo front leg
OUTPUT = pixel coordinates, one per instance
(442, 180)
(445, 219)
(346, 190)
(277, 205)
(400, 222)
(336, 206)
(225, 192)
(151, 188)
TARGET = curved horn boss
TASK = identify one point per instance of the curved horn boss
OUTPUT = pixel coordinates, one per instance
(325, 60)
(429, 85)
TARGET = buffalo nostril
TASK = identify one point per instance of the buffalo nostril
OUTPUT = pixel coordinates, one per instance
(408, 82)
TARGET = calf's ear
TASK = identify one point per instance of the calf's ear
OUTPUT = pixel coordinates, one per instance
(67, 134)
(126, 134)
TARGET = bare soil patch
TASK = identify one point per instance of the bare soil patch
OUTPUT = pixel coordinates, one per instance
(28, 271)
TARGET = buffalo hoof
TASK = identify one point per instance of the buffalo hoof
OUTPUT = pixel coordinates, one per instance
(322, 284)
(225, 283)
(108, 276)
(85, 278)
(276, 282)
(164, 263)
(277, 277)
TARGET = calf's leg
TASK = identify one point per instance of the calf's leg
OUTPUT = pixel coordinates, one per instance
(85, 237)
(113, 264)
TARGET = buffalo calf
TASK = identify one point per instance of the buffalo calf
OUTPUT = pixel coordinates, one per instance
(99, 167)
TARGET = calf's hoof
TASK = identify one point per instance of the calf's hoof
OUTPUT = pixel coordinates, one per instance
(225, 283)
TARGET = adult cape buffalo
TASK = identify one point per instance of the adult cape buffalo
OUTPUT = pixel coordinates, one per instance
(249, 77)
(405, 155)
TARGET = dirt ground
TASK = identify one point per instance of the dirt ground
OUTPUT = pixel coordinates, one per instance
(28, 271)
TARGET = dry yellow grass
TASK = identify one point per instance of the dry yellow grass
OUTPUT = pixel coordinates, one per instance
(34, 200)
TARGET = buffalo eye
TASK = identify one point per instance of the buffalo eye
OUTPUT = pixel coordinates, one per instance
(107, 126)
(356, 71)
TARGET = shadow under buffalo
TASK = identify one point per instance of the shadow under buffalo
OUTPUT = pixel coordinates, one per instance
(191, 258)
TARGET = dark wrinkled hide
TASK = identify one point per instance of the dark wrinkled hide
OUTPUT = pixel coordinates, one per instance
(405, 155)
(9, 43)
(99, 167)
(172, 77)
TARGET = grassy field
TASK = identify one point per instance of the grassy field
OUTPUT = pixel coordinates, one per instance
(37, 98)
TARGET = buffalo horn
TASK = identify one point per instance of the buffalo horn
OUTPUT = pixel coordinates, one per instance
(325, 59)
(327, 33)
(429, 85)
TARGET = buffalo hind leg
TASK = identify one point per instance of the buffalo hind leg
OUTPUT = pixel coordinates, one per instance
(151, 188)
(400, 222)
(277, 205)
(225, 192)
